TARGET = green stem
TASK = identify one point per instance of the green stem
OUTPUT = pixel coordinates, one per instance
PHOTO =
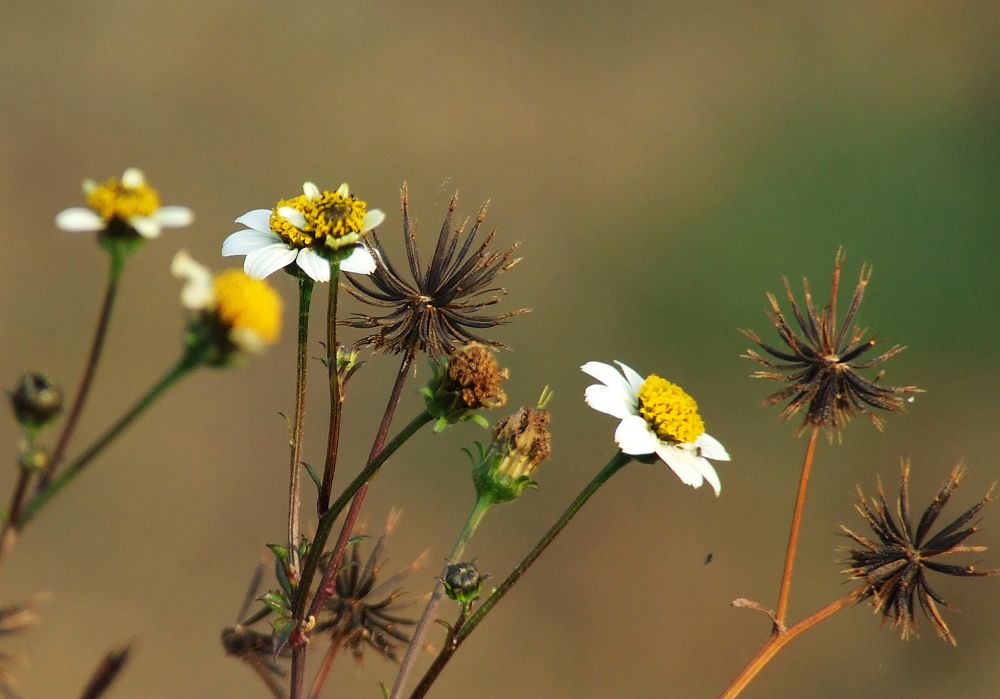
(191, 359)
(115, 266)
(298, 422)
(613, 466)
(295, 464)
(336, 395)
(479, 510)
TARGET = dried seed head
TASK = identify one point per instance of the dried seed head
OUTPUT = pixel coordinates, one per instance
(821, 366)
(895, 565)
(477, 377)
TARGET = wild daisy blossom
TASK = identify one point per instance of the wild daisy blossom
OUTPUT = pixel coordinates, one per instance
(129, 201)
(657, 417)
(248, 310)
(308, 229)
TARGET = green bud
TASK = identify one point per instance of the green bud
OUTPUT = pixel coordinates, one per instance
(463, 582)
(34, 459)
(36, 400)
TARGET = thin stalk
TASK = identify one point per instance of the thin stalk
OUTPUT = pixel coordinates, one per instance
(191, 359)
(336, 396)
(476, 515)
(793, 534)
(9, 534)
(319, 541)
(780, 638)
(613, 466)
(115, 265)
(295, 462)
(298, 422)
(325, 666)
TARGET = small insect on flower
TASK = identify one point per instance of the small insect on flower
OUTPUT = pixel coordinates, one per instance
(125, 207)
(822, 367)
(895, 566)
(657, 417)
(441, 309)
(312, 230)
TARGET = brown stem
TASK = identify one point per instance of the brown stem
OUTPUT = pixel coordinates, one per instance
(97, 345)
(9, 535)
(324, 668)
(793, 535)
(780, 637)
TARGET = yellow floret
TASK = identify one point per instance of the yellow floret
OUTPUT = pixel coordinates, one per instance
(670, 412)
(112, 199)
(246, 304)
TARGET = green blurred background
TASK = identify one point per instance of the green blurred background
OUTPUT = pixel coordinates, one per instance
(663, 164)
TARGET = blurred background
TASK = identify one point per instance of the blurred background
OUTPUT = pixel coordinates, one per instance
(663, 165)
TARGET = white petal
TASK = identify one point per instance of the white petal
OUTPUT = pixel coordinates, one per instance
(711, 448)
(133, 178)
(197, 292)
(293, 216)
(632, 376)
(145, 226)
(310, 190)
(262, 262)
(89, 185)
(314, 264)
(258, 219)
(372, 219)
(79, 220)
(680, 462)
(703, 465)
(607, 400)
(634, 437)
(343, 190)
(174, 216)
(247, 241)
(612, 378)
(360, 261)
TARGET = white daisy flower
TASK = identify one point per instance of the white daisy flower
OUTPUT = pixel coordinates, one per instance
(247, 311)
(130, 201)
(307, 230)
(657, 417)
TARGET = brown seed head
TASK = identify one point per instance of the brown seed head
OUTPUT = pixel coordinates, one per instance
(822, 364)
(477, 376)
(895, 565)
(529, 439)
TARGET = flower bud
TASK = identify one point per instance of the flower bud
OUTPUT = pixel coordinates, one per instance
(463, 582)
(36, 400)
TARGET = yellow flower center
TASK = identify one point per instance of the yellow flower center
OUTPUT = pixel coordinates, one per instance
(331, 216)
(671, 412)
(112, 199)
(248, 304)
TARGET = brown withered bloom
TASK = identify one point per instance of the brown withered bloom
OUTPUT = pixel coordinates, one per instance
(365, 612)
(822, 364)
(443, 305)
(895, 566)
(475, 375)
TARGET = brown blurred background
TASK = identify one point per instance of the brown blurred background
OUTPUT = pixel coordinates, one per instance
(663, 165)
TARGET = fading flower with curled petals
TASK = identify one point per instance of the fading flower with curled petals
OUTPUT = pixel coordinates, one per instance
(312, 230)
(657, 417)
(126, 206)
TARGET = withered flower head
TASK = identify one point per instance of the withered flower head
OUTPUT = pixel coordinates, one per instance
(476, 376)
(895, 567)
(821, 365)
(364, 611)
(442, 306)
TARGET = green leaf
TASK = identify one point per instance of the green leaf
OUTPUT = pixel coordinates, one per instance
(385, 690)
(280, 551)
(276, 602)
(282, 631)
(312, 475)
